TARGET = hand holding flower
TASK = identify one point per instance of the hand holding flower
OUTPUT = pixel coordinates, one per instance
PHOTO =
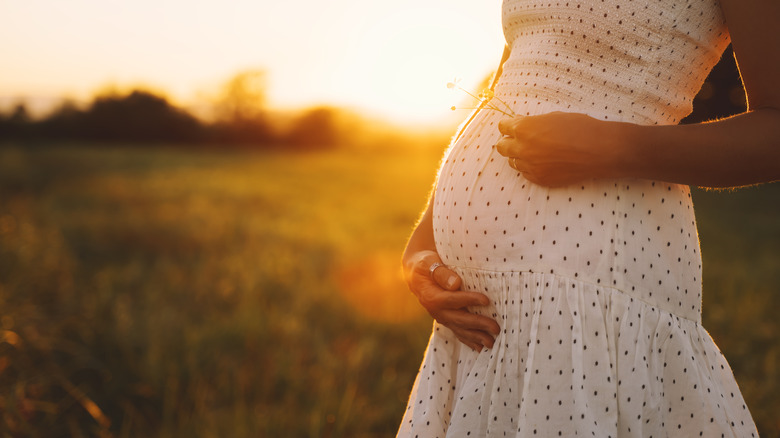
(559, 149)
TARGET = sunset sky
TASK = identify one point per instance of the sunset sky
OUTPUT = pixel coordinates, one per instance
(392, 59)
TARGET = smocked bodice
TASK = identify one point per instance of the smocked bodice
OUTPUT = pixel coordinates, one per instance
(635, 61)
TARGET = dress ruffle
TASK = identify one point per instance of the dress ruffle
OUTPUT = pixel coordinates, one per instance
(574, 359)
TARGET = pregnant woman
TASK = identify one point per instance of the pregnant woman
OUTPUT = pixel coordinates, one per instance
(559, 254)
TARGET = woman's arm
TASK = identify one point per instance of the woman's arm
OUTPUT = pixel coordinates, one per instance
(739, 150)
(559, 148)
(439, 293)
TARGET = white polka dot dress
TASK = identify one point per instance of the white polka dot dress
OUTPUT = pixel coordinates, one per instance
(596, 286)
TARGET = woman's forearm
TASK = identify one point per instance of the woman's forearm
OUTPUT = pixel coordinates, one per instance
(421, 238)
(739, 150)
(736, 151)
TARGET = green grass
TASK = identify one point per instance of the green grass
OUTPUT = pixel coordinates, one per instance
(166, 293)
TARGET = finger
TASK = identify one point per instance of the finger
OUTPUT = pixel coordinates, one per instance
(453, 300)
(506, 126)
(421, 267)
(447, 278)
(476, 347)
(424, 260)
(468, 321)
(435, 299)
(532, 178)
(418, 262)
(475, 339)
(471, 338)
(517, 164)
(504, 146)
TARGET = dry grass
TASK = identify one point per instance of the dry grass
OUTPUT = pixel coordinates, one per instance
(163, 292)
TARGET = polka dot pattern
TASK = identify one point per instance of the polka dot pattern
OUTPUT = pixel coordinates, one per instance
(574, 359)
(596, 286)
(631, 60)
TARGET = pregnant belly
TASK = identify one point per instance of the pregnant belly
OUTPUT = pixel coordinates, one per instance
(635, 235)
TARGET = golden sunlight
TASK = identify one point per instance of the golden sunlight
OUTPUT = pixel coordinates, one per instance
(401, 65)
(375, 288)
(392, 60)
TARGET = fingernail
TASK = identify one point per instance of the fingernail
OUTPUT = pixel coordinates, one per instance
(451, 282)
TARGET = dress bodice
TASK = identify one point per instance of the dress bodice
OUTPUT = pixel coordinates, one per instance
(639, 61)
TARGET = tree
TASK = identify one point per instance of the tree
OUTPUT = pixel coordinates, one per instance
(317, 127)
(140, 117)
(17, 124)
(243, 97)
(20, 115)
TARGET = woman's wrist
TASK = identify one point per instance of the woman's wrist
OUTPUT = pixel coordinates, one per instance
(627, 157)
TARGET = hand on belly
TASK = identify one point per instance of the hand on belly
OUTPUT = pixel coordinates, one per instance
(438, 290)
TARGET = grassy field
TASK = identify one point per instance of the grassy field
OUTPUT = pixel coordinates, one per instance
(166, 293)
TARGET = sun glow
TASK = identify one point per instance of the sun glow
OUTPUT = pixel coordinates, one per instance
(402, 64)
(391, 59)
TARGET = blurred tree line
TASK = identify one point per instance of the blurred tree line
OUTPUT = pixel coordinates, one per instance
(241, 118)
(141, 116)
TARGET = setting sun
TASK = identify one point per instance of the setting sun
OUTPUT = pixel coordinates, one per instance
(401, 64)
(391, 60)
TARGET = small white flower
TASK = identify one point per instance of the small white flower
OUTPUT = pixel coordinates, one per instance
(486, 94)
(487, 100)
